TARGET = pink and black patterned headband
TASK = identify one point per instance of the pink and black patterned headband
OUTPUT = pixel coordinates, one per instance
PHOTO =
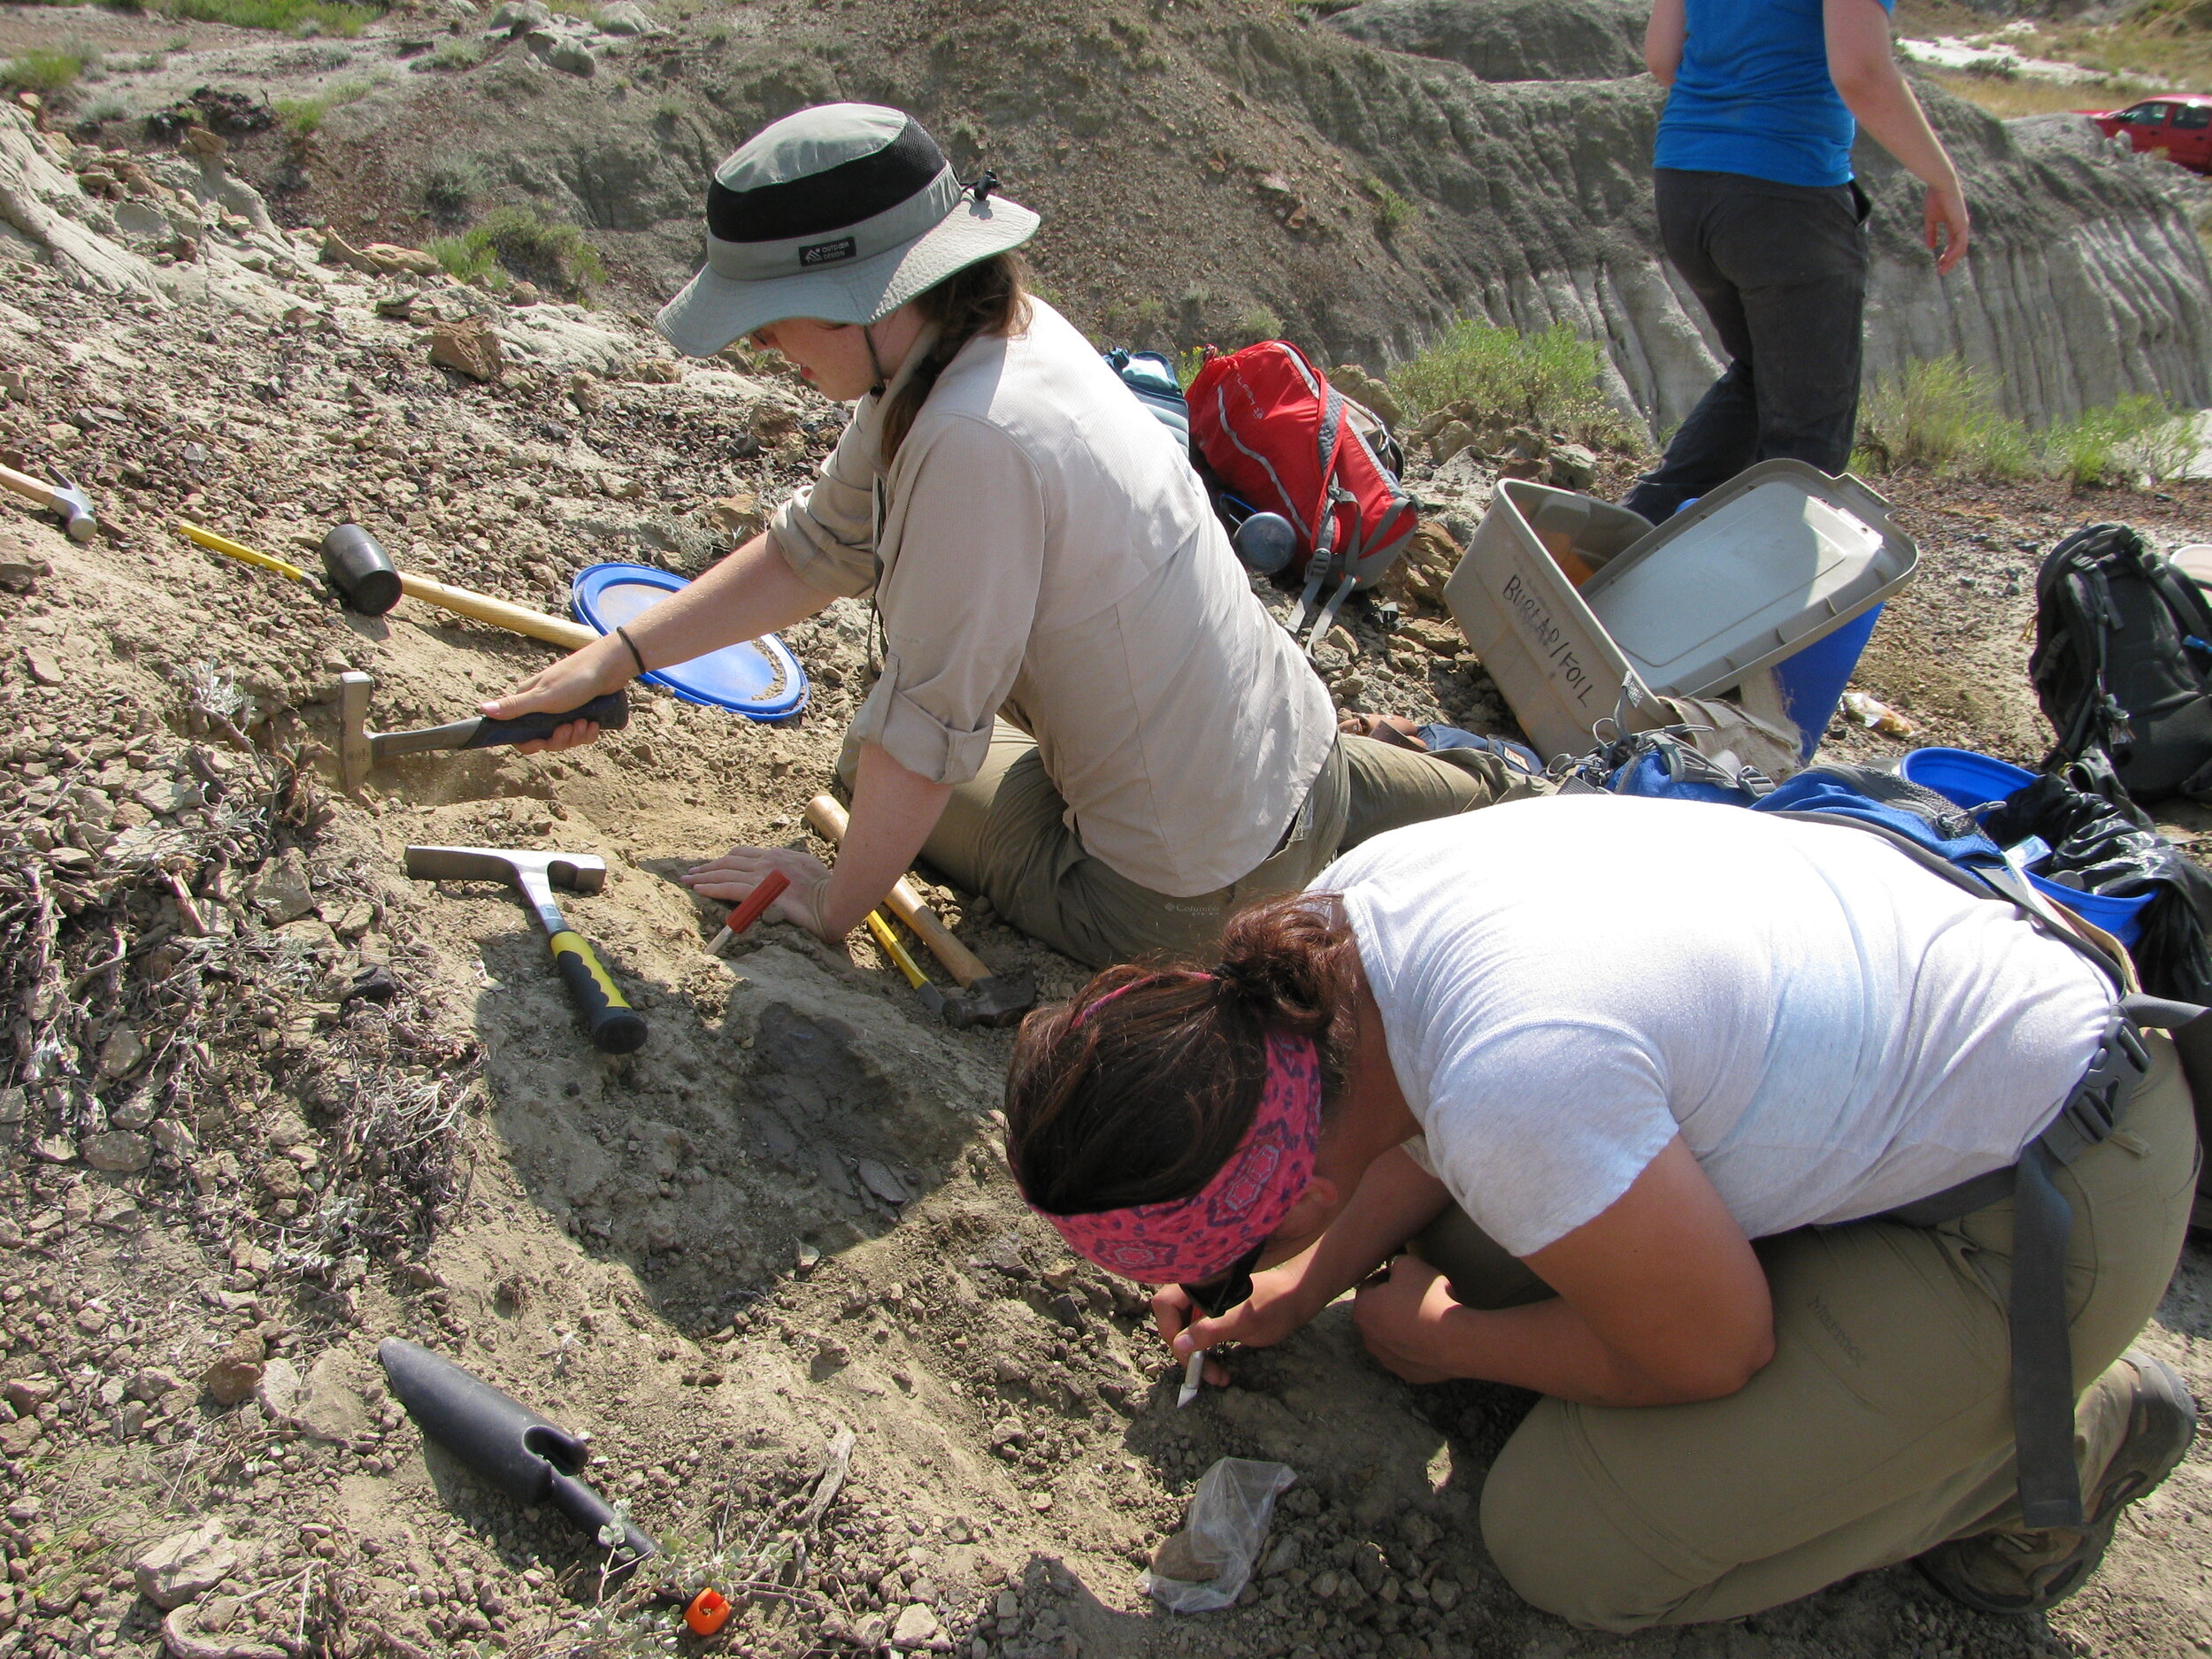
(1190, 1241)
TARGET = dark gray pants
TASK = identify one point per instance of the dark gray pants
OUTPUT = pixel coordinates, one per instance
(1781, 270)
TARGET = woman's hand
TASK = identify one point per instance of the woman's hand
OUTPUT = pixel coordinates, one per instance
(1277, 1307)
(1404, 1320)
(733, 876)
(570, 683)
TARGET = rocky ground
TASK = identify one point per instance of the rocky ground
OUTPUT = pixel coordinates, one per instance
(269, 1102)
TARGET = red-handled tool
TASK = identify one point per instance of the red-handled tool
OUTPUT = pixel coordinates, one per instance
(750, 911)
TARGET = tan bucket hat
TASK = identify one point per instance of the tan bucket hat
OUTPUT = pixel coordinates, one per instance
(842, 213)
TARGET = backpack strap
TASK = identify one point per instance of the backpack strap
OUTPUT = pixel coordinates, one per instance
(2042, 1364)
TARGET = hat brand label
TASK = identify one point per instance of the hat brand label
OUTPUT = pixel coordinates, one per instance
(827, 252)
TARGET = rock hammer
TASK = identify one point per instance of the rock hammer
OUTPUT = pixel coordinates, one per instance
(360, 748)
(73, 506)
(614, 1026)
(985, 998)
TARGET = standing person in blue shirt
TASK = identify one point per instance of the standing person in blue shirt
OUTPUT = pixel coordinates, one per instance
(1760, 213)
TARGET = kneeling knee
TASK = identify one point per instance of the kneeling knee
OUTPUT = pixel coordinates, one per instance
(1560, 1558)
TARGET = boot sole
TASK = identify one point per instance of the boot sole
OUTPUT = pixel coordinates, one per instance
(2162, 1427)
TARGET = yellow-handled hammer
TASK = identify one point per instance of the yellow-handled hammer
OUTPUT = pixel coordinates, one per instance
(615, 1027)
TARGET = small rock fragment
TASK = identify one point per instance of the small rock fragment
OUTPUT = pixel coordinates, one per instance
(235, 1371)
(917, 1626)
(118, 1151)
(185, 1566)
(279, 1387)
(469, 347)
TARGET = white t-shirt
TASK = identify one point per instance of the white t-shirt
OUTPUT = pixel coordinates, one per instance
(1567, 984)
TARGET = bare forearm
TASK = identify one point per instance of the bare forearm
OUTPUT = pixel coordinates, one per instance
(1548, 1347)
(1394, 1200)
(752, 592)
(1885, 107)
(1663, 37)
(893, 812)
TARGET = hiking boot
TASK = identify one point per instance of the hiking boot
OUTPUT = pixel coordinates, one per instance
(2028, 1571)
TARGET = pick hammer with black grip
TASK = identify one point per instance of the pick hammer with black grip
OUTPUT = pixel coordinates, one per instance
(360, 748)
(614, 1026)
(530, 1459)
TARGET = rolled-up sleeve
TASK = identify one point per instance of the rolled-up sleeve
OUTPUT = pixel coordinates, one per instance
(958, 599)
(827, 532)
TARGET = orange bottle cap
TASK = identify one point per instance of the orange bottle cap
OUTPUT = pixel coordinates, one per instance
(709, 1611)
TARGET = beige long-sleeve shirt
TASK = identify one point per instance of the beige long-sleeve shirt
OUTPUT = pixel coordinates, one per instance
(1041, 550)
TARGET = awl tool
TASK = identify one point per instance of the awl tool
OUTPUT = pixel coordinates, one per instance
(749, 909)
(1212, 1300)
(65, 498)
(360, 748)
(615, 1027)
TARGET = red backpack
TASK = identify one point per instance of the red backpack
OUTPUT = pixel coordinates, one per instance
(1279, 436)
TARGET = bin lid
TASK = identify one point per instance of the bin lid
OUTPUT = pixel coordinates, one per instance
(1761, 567)
(759, 678)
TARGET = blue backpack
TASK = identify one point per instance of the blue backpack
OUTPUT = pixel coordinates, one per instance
(1151, 377)
(1661, 767)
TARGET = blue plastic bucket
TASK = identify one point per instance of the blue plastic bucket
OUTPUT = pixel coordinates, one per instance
(1969, 779)
(1812, 682)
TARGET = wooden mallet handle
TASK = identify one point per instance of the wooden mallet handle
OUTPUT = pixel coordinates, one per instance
(826, 815)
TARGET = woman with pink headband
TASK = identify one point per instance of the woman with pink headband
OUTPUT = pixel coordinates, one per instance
(1664, 1126)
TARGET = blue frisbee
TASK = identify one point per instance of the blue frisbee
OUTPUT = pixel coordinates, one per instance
(759, 678)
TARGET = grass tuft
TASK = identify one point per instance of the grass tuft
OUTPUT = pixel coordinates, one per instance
(448, 185)
(455, 55)
(1549, 379)
(304, 117)
(517, 243)
(44, 70)
(284, 15)
(1939, 416)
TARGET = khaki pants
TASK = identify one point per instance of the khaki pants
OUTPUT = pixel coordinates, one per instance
(1004, 835)
(1883, 1425)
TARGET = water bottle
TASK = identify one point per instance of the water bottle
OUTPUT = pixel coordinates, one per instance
(1265, 542)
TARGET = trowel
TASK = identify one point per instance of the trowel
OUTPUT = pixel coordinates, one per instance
(531, 1460)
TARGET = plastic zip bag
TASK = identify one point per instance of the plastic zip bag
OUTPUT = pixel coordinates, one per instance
(1221, 1536)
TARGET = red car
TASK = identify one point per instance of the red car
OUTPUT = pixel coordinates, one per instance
(2178, 123)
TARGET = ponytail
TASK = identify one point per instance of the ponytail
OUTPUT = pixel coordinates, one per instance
(1136, 1090)
(988, 297)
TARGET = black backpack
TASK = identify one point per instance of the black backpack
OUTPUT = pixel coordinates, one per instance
(2123, 662)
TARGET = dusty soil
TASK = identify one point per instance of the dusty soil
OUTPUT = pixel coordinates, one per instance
(269, 1102)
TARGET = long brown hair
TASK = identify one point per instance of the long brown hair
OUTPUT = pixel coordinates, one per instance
(988, 297)
(1141, 1099)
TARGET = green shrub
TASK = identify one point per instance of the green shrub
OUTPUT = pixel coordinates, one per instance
(330, 18)
(1256, 323)
(2119, 442)
(1940, 415)
(448, 184)
(516, 242)
(304, 117)
(44, 70)
(455, 55)
(1549, 378)
(1392, 211)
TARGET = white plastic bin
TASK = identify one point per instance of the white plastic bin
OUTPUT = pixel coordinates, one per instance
(1760, 569)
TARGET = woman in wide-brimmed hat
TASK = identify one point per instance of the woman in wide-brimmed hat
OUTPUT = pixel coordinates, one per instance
(1083, 712)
